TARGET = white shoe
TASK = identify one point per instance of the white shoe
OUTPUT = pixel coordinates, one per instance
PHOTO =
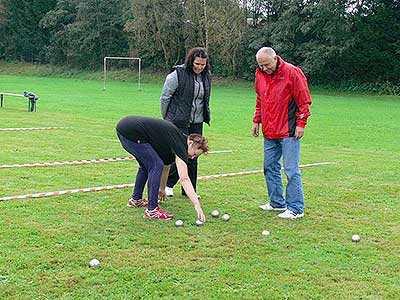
(268, 207)
(288, 214)
(169, 191)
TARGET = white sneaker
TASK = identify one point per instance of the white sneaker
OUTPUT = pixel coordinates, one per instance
(268, 207)
(169, 191)
(288, 214)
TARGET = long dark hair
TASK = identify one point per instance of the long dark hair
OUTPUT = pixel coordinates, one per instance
(197, 52)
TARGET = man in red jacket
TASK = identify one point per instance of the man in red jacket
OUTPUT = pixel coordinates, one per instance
(282, 107)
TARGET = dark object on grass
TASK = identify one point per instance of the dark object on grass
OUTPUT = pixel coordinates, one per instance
(32, 100)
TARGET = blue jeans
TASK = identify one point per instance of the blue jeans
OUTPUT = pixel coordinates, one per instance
(150, 169)
(289, 149)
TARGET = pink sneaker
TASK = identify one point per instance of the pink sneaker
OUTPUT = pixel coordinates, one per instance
(137, 203)
(157, 213)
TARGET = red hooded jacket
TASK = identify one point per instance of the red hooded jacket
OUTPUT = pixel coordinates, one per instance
(283, 100)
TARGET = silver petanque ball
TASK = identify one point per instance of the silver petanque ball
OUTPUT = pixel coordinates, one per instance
(265, 232)
(199, 223)
(215, 213)
(225, 217)
(355, 238)
(94, 263)
(179, 223)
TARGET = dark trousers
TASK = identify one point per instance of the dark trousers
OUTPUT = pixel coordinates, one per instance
(173, 176)
(150, 170)
(32, 105)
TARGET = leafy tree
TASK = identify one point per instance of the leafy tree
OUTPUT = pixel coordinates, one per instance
(267, 27)
(21, 36)
(327, 40)
(334, 41)
(59, 21)
(3, 16)
(374, 56)
(83, 32)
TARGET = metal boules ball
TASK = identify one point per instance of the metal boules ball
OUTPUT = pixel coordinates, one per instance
(94, 263)
(199, 223)
(225, 217)
(215, 213)
(179, 223)
(355, 238)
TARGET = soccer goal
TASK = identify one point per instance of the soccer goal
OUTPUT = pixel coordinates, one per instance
(106, 58)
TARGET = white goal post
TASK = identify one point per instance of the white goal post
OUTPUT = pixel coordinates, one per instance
(122, 58)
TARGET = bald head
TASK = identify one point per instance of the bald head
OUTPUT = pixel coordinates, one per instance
(267, 60)
(266, 51)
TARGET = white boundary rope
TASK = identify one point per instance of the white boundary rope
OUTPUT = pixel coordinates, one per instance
(30, 128)
(83, 161)
(67, 192)
(257, 171)
(122, 186)
(68, 162)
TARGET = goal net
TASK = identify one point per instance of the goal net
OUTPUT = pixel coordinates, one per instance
(133, 63)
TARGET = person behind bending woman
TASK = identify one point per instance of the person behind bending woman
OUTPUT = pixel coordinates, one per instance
(185, 102)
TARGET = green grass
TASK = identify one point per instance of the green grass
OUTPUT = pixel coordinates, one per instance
(46, 243)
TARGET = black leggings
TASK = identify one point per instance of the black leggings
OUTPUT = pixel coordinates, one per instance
(173, 176)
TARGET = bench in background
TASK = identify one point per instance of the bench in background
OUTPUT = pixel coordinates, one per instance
(32, 98)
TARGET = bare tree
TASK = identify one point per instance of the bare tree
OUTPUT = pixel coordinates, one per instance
(226, 30)
(156, 30)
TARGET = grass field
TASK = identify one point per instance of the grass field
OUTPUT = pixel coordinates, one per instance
(46, 243)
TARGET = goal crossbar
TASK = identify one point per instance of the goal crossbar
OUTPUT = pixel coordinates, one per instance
(120, 58)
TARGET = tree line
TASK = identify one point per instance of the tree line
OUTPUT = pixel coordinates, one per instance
(333, 41)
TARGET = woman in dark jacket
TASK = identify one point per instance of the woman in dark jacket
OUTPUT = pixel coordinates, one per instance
(185, 102)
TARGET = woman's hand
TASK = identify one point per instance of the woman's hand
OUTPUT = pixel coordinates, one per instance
(200, 214)
(188, 187)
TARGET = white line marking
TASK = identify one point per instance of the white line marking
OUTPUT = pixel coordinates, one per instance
(68, 162)
(83, 161)
(30, 128)
(121, 186)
